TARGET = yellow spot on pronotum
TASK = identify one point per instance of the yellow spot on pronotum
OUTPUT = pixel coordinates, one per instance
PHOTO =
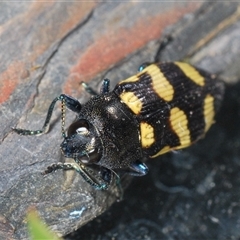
(179, 123)
(147, 134)
(191, 73)
(208, 111)
(132, 101)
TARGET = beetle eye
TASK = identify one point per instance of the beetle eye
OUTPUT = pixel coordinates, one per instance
(80, 127)
(82, 130)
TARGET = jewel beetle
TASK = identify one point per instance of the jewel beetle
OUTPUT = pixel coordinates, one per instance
(165, 106)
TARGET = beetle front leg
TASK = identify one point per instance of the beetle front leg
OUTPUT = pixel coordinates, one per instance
(67, 101)
(85, 172)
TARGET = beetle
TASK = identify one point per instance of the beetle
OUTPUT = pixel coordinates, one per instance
(166, 106)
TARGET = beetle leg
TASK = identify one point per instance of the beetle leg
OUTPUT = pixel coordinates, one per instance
(67, 101)
(88, 89)
(91, 176)
(105, 86)
(56, 166)
(138, 169)
(119, 188)
(107, 175)
(84, 171)
(71, 103)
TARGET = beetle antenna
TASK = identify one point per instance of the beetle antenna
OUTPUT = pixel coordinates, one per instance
(63, 110)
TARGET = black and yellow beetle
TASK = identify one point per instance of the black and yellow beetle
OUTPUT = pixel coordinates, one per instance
(166, 106)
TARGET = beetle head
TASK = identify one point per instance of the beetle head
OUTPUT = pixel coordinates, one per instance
(82, 142)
